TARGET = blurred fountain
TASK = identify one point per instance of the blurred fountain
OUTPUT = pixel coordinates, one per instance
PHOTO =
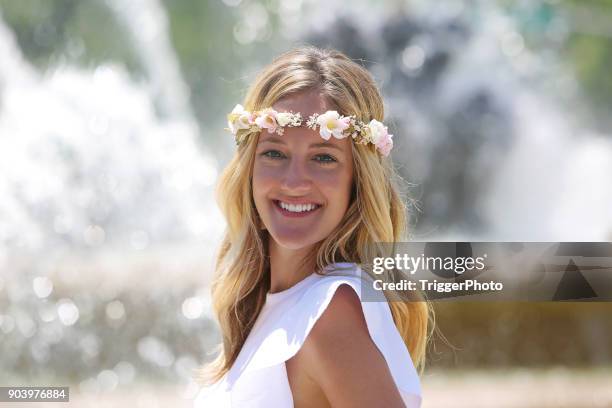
(107, 217)
(147, 23)
(96, 166)
(484, 127)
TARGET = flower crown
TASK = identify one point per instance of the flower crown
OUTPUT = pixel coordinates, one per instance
(242, 123)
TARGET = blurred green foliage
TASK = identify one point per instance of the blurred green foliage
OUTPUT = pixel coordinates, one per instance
(69, 31)
(589, 51)
(212, 62)
(585, 28)
(201, 32)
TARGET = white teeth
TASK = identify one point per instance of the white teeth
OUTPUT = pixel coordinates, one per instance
(297, 207)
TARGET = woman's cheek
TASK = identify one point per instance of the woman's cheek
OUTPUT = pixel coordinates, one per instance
(329, 176)
(263, 173)
(338, 179)
(269, 178)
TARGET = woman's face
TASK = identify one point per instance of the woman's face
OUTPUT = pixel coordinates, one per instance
(301, 182)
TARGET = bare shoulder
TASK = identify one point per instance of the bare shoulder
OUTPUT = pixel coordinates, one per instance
(340, 356)
(344, 312)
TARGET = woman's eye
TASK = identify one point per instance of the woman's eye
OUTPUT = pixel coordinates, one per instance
(321, 158)
(273, 154)
(325, 158)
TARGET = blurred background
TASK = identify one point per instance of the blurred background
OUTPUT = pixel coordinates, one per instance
(111, 140)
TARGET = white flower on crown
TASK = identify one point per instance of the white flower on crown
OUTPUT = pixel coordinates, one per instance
(239, 119)
(284, 118)
(332, 124)
(267, 120)
(379, 135)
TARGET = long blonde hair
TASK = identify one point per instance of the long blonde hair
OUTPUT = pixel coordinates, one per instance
(376, 213)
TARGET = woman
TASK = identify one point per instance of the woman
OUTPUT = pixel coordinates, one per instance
(306, 201)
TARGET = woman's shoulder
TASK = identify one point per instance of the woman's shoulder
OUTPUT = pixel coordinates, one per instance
(340, 346)
(347, 296)
(336, 298)
(337, 310)
(342, 315)
(289, 318)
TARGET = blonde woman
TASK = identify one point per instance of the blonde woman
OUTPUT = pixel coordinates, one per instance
(308, 193)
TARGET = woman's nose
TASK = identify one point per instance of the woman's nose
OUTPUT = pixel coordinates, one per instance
(296, 177)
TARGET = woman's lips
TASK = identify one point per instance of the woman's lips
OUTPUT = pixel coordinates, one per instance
(292, 214)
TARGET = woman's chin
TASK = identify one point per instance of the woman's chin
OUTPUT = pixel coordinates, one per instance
(293, 241)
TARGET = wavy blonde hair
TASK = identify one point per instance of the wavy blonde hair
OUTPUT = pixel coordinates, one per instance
(376, 212)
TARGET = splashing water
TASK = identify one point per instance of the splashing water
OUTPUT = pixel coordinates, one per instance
(87, 162)
(106, 214)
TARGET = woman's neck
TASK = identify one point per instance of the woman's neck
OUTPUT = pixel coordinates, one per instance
(285, 266)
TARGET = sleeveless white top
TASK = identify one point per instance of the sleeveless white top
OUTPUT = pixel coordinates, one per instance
(258, 378)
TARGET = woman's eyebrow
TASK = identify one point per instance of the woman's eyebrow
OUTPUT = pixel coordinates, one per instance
(333, 146)
(273, 139)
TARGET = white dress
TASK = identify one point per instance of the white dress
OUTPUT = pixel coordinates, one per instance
(258, 378)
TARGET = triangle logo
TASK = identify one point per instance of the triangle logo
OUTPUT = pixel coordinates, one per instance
(573, 285)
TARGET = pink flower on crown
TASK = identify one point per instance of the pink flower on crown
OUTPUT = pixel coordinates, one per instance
(331, 123)
(386, 145)
(379, 135)
(267, 120)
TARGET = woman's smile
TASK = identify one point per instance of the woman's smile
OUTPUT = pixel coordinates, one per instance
(296, 210)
